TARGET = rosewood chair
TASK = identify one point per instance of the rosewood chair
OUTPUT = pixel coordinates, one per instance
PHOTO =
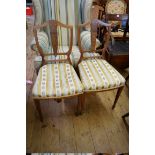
(56, 78)
(97, 74)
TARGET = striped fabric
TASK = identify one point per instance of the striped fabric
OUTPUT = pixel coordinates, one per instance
(38, 12)
(90, 54)
(43, 42)
(86, 40)
(65, 11)
(72, 12)
(87, 9)
(98, 74)
(85, 6)
(57, 80)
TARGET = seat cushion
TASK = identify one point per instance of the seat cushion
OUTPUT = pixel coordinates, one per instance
(98, 74)
(57, 80)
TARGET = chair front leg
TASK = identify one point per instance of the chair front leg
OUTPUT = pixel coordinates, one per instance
(82, 102)
(58, 100)
(78, 108)
(37, 104)
(117, 96)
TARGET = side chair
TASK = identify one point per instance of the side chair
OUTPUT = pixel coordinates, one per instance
(56, 78)
(95, 72)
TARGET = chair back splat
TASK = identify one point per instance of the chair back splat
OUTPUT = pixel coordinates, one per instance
(54, 36)
(54, 25)
(93, 34)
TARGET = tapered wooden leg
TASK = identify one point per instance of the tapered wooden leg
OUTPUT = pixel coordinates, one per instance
(82, 102)
(126, 79)
(117, 96)
(58, 100)
(37, 104)
(78, 108)
(125, 115)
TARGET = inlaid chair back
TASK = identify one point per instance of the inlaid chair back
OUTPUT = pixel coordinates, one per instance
(54, 28)
(93, 24)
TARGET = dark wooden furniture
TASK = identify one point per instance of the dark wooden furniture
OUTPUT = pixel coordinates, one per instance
(118, 51)
(123, 117)
(117, 54)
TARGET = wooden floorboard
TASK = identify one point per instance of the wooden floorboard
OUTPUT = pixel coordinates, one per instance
(36, 142)
(67, 140)
(50, 137)
(84, 140)
(98, 129)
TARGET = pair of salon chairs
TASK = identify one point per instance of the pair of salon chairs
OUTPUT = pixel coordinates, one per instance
(57, 79)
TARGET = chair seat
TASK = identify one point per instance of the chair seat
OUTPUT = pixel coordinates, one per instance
(57, 80)
(98, 74)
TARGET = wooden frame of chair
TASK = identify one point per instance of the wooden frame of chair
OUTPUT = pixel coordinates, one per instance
(94, 26)
(97, 12)
(54, 40)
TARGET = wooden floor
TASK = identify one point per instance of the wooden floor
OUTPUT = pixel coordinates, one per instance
(99, 129)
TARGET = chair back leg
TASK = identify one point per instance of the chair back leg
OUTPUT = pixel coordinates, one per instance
(78, 108)
(117, 96)
(37, 104)
(83, 102)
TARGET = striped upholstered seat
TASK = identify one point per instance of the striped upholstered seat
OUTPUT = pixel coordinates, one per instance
(57, 80)
(98, 74)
